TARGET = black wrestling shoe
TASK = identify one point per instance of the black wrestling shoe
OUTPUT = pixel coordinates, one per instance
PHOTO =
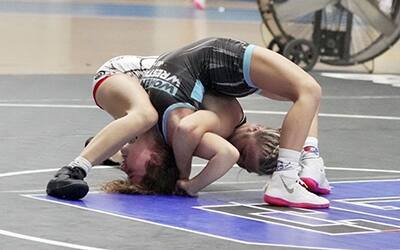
(68, 184)
(107, 162)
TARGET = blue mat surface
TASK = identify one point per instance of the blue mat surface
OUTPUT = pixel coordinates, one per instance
(363, 215)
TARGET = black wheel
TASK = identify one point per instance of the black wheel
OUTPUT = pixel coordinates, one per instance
(276, 45)
(302, 52)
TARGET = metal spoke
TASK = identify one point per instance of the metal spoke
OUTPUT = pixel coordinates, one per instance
(291, 9)
(370, 14)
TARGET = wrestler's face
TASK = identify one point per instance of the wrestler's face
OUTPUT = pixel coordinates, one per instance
(136, 154)
(244, 139)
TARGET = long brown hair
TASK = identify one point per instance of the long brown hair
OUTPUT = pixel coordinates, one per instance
(160, 178)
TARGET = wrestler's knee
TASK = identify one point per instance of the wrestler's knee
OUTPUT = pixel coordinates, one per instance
(149, 114)
(146, 117)
(153, 117)
(310, 90)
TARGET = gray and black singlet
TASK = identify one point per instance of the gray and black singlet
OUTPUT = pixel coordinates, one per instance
(179, 79)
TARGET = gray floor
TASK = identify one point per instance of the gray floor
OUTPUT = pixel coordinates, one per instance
(46, 118)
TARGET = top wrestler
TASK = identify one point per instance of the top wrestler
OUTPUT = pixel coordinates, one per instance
(179, 79)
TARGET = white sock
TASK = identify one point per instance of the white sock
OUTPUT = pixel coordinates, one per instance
(288, 159)
(81, 162)
(311, 141)
(310, 149)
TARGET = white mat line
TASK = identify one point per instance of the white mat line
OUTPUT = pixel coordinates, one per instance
(46, 100)
(365, 170)
(255, 97)
(361, 97)
(33, 105)
(337, 97)
(8, 174)
(46, 170)
(24, 191)
(372, 117)
(353, 116)
(46, 241)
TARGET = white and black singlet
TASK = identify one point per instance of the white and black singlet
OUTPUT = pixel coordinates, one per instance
(133, 66)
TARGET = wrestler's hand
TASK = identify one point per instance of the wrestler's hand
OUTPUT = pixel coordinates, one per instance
(183, 188)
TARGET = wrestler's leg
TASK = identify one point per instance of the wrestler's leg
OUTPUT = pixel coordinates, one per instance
(287, 80)
(279, 78)
(123, 98)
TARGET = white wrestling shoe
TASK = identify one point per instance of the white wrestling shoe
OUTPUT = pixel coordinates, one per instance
(313, 175)
(285, 190)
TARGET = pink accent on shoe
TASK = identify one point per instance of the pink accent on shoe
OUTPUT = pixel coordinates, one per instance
(310, 149)
(283, 203)
(313, 186)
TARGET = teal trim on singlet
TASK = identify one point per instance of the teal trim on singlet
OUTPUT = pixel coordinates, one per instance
(246, 65)
(198, 91)
(166, 114)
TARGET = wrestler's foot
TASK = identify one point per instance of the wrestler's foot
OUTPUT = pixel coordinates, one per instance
(68, 184)
(285, 189)
(313, 175)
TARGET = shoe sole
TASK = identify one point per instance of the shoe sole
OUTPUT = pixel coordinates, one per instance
(73, 191)
(313, 186)
(283, 203)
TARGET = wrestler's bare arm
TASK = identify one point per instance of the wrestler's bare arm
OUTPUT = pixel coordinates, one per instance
(187, 136)
(221, 155)
(221, 117)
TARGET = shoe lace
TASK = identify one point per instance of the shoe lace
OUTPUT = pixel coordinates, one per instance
(77, 173)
